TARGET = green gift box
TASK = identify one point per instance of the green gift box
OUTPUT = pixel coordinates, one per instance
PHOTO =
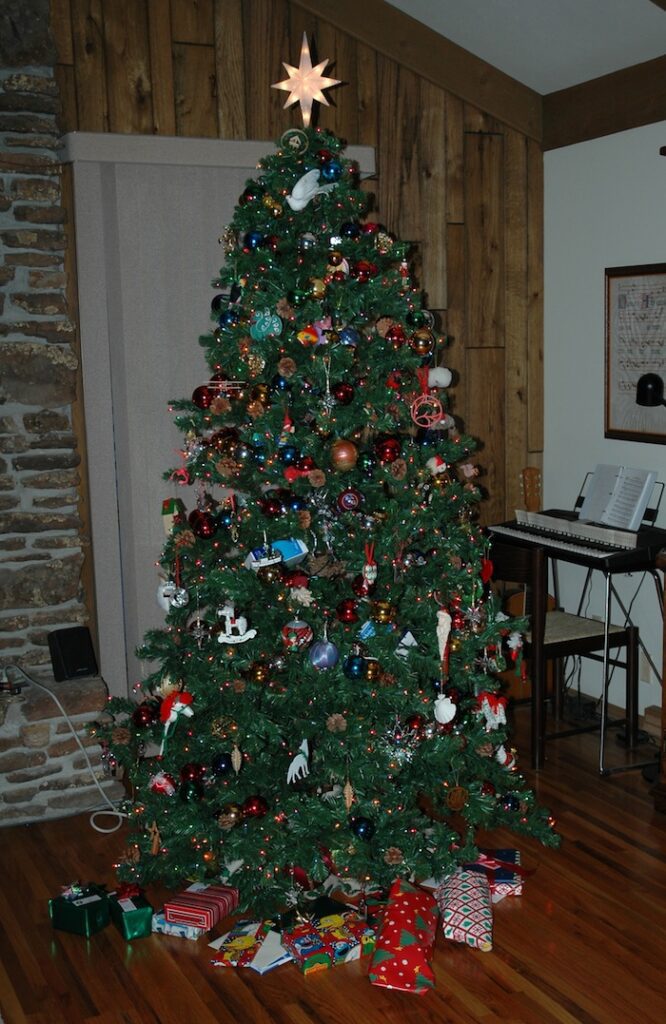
(131, 913)
(81, 909)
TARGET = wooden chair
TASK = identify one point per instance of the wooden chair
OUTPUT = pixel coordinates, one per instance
(555, 635)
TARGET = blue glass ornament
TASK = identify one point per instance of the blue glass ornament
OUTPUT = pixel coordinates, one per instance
(331, 170)
(354, 666)
(296, 504)
(323, 655)
(221, 763)
(510, 802)
(348, 336)
(226, 519)
(217, 304)
(229, 318)
(350, 229)
(288, 454)
(253, 240)
(279, 383)
(363, 828)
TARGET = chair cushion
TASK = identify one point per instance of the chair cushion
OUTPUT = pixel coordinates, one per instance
(564, 626)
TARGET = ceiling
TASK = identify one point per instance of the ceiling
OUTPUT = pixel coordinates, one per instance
(549, 44)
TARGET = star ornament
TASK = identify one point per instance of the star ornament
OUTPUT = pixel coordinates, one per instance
(306, 83)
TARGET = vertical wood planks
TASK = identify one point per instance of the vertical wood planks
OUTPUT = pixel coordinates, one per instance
(191, 21)
(230, 69)
(267, 45)
(485, 421)
(195, 90)
(534, 291)
(128, 66)
(432, 167)
(484, 224)
(89, 65)
(161, 67)
(515, 338)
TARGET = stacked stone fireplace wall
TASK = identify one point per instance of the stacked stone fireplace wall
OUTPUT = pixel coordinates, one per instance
(42, 541)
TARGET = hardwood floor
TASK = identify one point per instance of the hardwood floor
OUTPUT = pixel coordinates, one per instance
(585, 944)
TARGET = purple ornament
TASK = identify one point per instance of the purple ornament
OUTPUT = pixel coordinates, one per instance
(323, 655)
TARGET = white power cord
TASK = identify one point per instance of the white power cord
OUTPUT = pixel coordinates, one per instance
(110, 808)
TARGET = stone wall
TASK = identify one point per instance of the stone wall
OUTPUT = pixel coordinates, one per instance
(41, 542)
(43, 773)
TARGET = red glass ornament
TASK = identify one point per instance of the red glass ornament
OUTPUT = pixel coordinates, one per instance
(457, 620)
(370, 228)
(349, 500)
(396, 336)
(271, 507)
(203, 396)
(343, 392)
(416, 724)
(335, 258)
(254, 807)
(488, 789)
(203, 524)
(346, 610)
(144, 715)
(192, 772)
(305, 463)
(387, 448)
(361, 587)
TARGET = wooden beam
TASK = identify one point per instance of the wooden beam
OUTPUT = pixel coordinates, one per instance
(612, 103)
(414, 46)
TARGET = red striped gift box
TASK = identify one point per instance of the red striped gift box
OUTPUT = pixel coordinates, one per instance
(201, 906)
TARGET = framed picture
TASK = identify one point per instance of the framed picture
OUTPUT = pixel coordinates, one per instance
(636, 348)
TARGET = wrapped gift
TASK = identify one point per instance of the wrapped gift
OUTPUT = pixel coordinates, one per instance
(467, 916)
(81, 909)
(131, 912)
(405, 941)
(335, 938)
(238, 947)
(180, 931)
(201, 905)
(503, 870)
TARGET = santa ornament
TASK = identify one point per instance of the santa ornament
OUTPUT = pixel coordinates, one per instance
(175, 706)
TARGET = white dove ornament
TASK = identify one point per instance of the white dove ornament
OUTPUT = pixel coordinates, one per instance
(305, 189)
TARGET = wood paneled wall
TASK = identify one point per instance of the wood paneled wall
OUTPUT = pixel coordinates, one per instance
(464, 186)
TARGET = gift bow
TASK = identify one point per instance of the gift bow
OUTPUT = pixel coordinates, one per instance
(491, 865)
(128, 891)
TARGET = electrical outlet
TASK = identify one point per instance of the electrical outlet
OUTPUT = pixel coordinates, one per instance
(644, 668)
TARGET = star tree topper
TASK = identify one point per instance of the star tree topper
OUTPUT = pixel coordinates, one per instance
(306, 83)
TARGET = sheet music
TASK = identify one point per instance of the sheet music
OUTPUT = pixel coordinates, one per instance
(618, 496)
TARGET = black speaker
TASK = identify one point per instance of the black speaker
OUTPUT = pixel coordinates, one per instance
(72, 653)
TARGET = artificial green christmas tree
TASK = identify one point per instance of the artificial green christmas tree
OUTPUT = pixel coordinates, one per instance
(324, 699)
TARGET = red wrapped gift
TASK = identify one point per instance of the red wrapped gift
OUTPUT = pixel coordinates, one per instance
(406, 940)
(201, 906)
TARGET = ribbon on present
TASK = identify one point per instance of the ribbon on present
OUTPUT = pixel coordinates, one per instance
(128, 891)
(492, 865)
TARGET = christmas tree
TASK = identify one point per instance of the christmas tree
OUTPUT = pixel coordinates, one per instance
(325, 699)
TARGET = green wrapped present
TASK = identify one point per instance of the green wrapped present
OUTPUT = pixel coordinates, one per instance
(81, 909)
(131, 912)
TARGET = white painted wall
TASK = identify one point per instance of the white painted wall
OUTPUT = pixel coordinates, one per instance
(605, 206)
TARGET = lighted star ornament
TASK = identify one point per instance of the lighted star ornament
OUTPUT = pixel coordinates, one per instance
(305, 83)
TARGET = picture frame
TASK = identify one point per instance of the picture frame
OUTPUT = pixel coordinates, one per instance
(635, 346)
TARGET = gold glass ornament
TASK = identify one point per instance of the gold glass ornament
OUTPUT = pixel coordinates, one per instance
(269, 573)
(229, 816)
(383, 612)
(317, 287)
(373, 670)
(259, 671)
(456, 798)
(261, 393)
(422, 342)
(344, 454)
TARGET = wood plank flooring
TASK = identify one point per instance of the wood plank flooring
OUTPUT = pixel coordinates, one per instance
(585, 944)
